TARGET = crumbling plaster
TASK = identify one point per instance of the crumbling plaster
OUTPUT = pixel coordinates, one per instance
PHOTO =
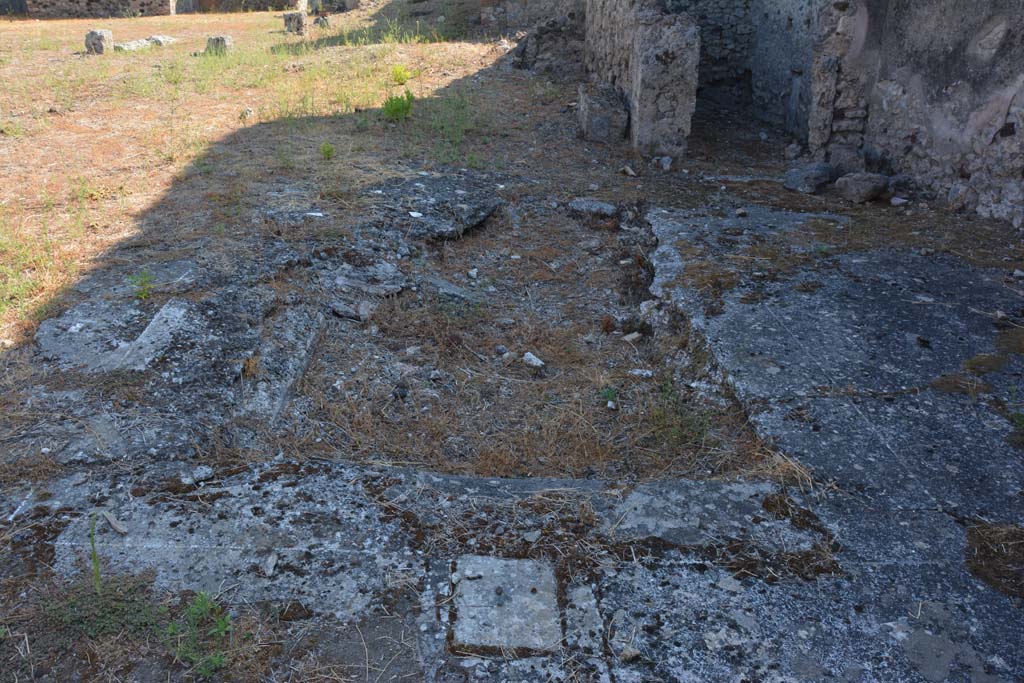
(930, 88)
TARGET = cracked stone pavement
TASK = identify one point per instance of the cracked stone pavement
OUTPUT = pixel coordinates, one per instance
(858, 575)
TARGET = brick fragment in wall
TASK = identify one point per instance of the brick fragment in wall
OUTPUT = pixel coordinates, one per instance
(841, 125)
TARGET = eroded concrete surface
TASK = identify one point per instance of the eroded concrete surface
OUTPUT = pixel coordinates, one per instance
(858, 575)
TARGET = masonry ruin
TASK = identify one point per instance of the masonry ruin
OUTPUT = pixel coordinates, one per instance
(929, 90)
(54, 9)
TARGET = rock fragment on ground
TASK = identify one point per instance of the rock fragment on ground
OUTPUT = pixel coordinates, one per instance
(218, 45)
(99, 41)
(809, 178)
(862, 187)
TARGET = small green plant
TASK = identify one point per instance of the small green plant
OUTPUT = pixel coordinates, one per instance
(143, 282)
(327, 151)
(94, 557)
(609, 394)
(198, 636)
(1018, 420)
(400, 74)
(398, 107)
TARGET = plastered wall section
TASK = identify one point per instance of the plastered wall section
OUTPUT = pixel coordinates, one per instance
(930, 88)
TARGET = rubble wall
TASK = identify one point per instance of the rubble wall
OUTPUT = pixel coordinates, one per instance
(930, 88)
(726, 35)
(651, 57)
(611, 27)
(509, 15)
(12, 7)
(52, 9)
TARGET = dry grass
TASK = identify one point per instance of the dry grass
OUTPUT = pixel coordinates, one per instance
(90, 145)
(492, 415)
(995, 554)
(501, 418)
(67, 629)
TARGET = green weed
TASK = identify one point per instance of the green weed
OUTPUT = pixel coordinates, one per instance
(327, 151)
(398, 107)
(143, 283)
(198, 637)
(677, 424)
(400, 74)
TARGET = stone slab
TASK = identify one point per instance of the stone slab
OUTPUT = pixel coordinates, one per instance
(98, 336)
(505, 605)
(926, 450)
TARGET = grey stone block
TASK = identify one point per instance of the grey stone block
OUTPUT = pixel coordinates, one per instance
(295, 22)
(506, 604)
(602, 114)
(99, 41)
(218, 45)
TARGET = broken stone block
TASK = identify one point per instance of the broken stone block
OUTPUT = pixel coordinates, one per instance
(218, 45)
(295, 22)
(133, 45)
(862, 187)
(506, 605)
(663, 82)
(809, 178)
(99, 41)
(587, 207)
(322, 22)
(162, 41)
(602, 114)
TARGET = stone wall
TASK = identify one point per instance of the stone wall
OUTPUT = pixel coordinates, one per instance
(12, 7)
(726, 37)
(510, 15)
(651, 57)
(781, 56)
(930, 88)
(50, 9)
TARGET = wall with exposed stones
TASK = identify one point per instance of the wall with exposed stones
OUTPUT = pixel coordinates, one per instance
(12, 7)
(930, 88)
(652, 58)
(781, 56)
(726, 35)
(49, 9)
(509, 15)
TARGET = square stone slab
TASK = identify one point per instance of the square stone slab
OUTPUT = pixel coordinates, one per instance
(505, 604)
